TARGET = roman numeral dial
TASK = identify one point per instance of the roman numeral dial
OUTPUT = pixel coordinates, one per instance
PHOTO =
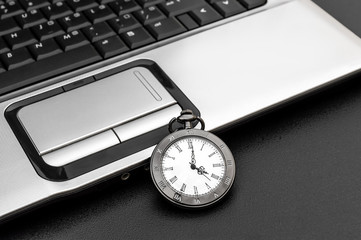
(193, 166)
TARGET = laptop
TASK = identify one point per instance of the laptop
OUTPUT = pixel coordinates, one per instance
(87, 88)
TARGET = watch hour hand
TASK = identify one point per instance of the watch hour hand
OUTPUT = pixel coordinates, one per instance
(201, 170)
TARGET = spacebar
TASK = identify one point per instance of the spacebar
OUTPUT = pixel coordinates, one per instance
(46, 68)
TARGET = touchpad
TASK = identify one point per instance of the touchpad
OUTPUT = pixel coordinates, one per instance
(72, 129)
(94, 108)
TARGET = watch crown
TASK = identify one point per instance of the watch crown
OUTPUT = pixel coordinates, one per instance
(187, 119)
(186, 115)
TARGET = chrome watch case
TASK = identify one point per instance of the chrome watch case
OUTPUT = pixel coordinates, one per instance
(176, 195)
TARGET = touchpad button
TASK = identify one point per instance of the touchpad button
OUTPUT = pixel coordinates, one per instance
(94, 108)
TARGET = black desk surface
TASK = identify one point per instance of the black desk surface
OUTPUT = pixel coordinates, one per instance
(298, 177)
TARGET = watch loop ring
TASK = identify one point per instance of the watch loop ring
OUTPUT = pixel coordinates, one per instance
(187, 119)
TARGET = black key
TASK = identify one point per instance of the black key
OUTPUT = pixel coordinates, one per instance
(72, 40)
(20, 38)
(178, 7)
(187, 21)
(124, 6)
(213, 1)
(3, 46)
(10, 8)
(111, 46)
(105, 1)
(165, 28)
(99, 14)
(16, 58)
(124, 23)
(33, 4)
(54, 1)
(2, 68)
(44, 49)
(81, 5)
(8, 26)
(147, 3)
(137, 37)
(205, 15)
(229, 7)
(57, 10)
(250, 4)
(31, 18)
(74, 22)
(149, 14)
(98, 31)
(47, 30)
(49, 67)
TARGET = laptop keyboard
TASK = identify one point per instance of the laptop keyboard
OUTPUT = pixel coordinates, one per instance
(40, 39)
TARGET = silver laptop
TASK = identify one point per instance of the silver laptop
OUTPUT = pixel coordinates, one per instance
(63, 129)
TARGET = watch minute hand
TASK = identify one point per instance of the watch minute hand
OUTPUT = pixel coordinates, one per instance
(207, 177)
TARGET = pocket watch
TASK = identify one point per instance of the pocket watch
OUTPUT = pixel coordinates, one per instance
(192, 168)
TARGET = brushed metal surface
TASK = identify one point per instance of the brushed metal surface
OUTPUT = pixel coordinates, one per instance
(81, 149)
(109, 138)
(147, 123)
(229, 72)
(69, 117)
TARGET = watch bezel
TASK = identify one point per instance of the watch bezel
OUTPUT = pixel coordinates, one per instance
(183, 200)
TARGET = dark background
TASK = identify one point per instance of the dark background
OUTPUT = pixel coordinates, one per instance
(298, 177)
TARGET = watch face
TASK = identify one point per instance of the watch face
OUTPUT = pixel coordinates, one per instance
(192, 168)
